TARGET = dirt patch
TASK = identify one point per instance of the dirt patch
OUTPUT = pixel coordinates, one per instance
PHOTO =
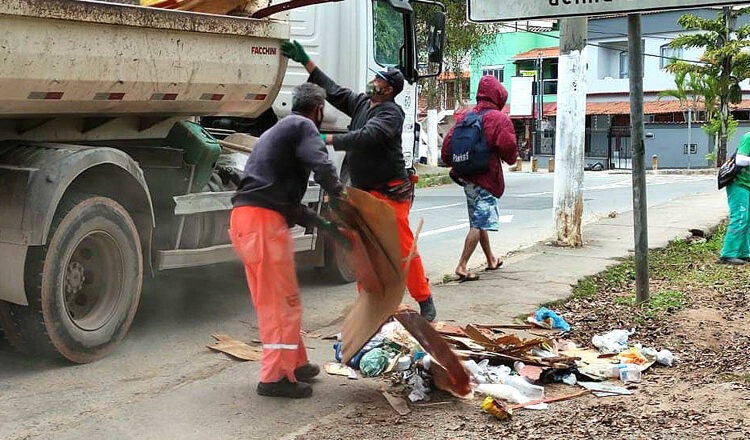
(698, 309)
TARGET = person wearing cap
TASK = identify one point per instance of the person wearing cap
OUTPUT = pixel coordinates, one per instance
(374, 153)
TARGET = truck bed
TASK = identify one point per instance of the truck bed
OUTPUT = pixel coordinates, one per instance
(89, 58)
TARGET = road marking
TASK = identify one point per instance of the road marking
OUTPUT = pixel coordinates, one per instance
(443, 230)
(505, 219)
(437, 207)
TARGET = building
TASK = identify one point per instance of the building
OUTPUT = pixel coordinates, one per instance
(607, 84)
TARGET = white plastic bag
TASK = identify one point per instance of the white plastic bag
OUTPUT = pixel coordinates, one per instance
(615, 341)
(665, 357)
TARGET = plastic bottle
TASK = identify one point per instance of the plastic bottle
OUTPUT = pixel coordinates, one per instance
(531, 392)
(630, 373)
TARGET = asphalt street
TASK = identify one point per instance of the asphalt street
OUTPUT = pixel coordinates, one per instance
(162, 382)
(526, 211)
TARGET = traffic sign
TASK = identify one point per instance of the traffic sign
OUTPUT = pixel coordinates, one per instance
(513, 10)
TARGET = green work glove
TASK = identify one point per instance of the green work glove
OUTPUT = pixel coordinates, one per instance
(332, 230)
(322, 136)
(294, 50)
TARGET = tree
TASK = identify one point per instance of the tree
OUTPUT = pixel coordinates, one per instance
(722, 67)
(463, 41)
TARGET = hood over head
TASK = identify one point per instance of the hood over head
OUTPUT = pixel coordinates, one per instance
(491, 90)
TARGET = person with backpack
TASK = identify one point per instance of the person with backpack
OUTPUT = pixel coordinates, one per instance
(474, 148)
(736, 248)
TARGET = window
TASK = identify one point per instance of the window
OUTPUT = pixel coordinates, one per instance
(498, 72)
(669, 55)
(389, 33)
(624, 64)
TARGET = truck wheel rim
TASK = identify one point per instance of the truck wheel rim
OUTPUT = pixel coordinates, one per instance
(93, 281)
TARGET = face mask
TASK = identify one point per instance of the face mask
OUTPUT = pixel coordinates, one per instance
(373, 90)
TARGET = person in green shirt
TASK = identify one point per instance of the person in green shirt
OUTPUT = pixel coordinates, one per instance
(736, 248)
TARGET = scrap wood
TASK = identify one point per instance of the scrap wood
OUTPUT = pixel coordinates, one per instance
(236, 349)
(457, 379)
(503, 412)
(221, 7)
(448, 329)
(507, 326)
(397, 403)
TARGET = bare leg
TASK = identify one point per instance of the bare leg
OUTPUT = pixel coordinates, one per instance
(472, 239)
(484, 240)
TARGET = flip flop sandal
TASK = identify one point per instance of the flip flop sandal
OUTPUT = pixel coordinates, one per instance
(467, 277)
(496, 267)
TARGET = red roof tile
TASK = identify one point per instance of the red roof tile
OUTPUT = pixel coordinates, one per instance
(544, 52)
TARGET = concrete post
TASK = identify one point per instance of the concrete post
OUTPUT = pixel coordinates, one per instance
(551, 165)
(640, 207)
(534, 164)
(655, 162)
(570, 134)
(432, 138)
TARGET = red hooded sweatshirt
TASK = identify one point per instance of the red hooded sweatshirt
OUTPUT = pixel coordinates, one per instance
(498, 128)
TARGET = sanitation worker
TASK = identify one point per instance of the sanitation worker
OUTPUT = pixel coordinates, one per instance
(374, 154)
(266, 204)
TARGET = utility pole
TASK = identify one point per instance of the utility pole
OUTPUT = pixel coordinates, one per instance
(570, 132)
(690, 132)
(726, 71)
(640, 207)
(540, 98)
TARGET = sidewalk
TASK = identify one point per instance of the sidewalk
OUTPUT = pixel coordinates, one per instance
(544, 273)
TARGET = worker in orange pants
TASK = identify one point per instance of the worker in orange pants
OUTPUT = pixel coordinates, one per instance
(374, 152)
(416, 281)
(266, 204)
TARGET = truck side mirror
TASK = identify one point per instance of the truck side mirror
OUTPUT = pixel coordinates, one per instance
(436, 38)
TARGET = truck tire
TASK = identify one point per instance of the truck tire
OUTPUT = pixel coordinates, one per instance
(83, 287)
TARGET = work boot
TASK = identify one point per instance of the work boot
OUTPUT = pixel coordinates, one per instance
(284, 388)
(307, 372)
(732, 261)
(427, 309)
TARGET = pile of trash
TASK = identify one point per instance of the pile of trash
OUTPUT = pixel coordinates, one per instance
(509, 364)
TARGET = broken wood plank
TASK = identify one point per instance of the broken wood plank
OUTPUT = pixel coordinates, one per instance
(397, 403)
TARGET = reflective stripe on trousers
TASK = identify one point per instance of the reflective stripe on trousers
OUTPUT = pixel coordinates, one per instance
(261, 239)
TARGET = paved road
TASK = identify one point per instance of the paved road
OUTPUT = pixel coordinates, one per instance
(526, 211)
(163, 383)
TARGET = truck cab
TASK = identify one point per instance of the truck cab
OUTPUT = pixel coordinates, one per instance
(119, 151)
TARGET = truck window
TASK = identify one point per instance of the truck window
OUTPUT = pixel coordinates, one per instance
(388, 33)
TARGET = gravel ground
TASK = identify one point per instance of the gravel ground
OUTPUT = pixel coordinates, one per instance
(699, 309)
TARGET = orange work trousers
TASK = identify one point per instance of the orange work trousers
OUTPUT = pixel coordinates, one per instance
(261, 239)
(416, 281)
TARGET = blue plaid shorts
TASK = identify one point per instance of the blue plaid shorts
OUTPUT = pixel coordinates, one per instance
(483, 210)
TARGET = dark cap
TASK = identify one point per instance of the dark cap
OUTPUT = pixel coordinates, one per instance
(393, 77)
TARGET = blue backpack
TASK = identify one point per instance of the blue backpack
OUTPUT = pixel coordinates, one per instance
(470, 153)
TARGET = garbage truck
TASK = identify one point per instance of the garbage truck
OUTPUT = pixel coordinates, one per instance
(115, 121)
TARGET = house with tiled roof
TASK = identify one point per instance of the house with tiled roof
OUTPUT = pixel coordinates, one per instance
(607, 85)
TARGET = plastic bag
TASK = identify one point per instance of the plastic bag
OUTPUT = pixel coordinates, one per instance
(665, 357)
(502, 392)
(529, 391)
(551, 319)
(374, 362)
(615, 341)
(419, 389)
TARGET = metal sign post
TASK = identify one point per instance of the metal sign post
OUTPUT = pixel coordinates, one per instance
(640, 207)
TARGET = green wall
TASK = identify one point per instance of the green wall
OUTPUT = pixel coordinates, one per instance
(501, 52)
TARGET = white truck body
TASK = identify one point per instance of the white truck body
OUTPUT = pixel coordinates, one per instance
(91, 95)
